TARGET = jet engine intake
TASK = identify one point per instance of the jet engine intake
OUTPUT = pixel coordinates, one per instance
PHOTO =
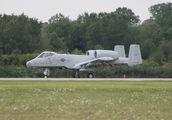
(90, 53)
(106, 53)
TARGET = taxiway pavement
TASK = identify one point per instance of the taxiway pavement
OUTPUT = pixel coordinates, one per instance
(87, 79)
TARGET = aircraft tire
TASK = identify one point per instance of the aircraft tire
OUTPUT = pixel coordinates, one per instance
(45, 76)
(90, 75)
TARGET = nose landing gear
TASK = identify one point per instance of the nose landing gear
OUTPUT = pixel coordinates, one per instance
(46, 72)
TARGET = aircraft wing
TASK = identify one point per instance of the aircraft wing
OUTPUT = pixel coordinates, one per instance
(91, 62)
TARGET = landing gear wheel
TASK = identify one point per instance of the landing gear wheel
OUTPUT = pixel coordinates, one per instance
(90, 75)
(76, 76)
(45, 76)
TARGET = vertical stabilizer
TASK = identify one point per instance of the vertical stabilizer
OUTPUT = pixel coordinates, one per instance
(135, 57)
(120, 50)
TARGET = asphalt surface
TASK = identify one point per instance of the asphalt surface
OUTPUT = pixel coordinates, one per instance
(87, 79)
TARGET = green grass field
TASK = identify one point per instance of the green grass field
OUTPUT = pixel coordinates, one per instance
(86, 100)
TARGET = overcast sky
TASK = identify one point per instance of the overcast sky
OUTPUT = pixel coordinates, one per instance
(43, 10)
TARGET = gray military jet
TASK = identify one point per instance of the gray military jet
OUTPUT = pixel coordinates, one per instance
(88, 62)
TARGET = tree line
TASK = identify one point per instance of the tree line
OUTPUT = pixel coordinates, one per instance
(21, 35)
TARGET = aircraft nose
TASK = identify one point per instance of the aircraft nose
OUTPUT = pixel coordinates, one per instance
(28, 64)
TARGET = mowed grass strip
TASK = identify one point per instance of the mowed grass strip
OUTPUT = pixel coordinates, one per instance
(85, 100)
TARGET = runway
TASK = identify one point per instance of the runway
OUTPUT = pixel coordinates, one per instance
(91, 79)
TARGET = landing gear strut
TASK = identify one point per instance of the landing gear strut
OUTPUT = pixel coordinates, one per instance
(76, 75)
(46, 72)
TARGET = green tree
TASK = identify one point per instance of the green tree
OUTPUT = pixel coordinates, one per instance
(162, 14)
(77, 38)
(19, 32)
(93, 35)
(61, 26)
(147, 48)
(57, 43)
(127, 15)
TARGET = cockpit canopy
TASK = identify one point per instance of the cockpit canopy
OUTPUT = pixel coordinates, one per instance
(46, 54)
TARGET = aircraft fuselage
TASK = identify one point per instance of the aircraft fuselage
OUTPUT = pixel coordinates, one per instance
(58, 60)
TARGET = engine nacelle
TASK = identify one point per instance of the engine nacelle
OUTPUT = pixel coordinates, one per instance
(90, 53)
(106, 53)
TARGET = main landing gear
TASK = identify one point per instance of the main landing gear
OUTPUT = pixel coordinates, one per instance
(89, 75)
(76, 75)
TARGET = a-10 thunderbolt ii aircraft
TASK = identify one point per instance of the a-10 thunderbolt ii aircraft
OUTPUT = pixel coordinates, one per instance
(88, 62)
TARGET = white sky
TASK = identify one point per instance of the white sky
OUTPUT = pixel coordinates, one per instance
(43, 10)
